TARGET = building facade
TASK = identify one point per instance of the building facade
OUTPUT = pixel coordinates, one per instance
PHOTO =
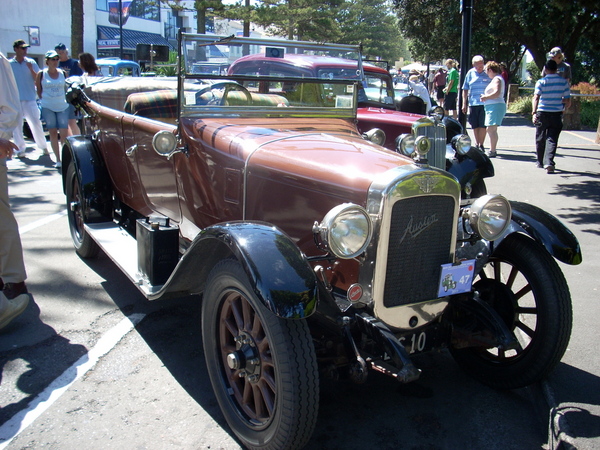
(45, 23)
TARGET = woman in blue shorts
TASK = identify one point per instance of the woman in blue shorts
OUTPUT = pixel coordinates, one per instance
(50, 84)
(495, 107)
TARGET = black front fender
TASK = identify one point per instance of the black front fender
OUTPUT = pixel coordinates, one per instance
(472, 167)
(547, 230)
(279, 273)
(93, 177)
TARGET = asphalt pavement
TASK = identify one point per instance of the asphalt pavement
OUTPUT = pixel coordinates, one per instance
(95, 383)
(572, 194)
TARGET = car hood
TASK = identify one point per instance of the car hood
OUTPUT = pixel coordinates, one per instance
(329, 150)
(387, 116)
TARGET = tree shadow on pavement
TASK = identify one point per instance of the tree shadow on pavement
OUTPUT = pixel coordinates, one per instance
(588, 190)
(577, 408)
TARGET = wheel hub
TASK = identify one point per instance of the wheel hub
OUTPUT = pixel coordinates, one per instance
(499, 297)
(245, 358)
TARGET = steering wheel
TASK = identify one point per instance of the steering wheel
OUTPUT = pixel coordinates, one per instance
(227, 87)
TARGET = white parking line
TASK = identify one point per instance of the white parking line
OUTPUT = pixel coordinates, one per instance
(16, 424)
(41, 222)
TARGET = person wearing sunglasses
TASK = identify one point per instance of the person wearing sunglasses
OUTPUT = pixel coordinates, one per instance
(50, 84)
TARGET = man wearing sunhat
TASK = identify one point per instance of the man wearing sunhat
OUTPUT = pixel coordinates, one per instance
(564, 69)
(25, 70)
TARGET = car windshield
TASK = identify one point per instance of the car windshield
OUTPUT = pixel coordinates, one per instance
(378, 88)
(255, 75)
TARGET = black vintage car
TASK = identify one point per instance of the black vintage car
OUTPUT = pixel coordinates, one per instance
(316, 251)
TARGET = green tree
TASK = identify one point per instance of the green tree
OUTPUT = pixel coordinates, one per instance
(311, 20)
(372, 24)
(501, 29)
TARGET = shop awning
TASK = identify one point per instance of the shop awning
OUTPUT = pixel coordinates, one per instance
(108, 37)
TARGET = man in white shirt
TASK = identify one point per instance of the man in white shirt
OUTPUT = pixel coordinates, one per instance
(25, 70)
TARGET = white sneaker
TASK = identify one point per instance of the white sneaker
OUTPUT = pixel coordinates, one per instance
(58, 165)
(20, 154)
(13, 308)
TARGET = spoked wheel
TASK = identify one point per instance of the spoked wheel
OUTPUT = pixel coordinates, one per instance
(523, 283)
(85, 246)
(262, 368)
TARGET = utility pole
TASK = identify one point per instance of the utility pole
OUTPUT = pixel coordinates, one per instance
(121, 29)
(466, 10)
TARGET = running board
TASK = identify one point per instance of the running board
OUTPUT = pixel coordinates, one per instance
(122, 248)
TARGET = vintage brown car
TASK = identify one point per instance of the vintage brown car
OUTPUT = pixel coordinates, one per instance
(316, 251)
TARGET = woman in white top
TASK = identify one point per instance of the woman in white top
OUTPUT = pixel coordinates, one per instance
(50, 84)
(495, 107)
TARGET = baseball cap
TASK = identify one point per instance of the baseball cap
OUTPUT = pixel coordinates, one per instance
(555, 51)
(20, 43)
(51, 54)
(60, 46)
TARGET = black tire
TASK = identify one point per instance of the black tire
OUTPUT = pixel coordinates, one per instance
(523, 283)
(275, 404)
(85, 246)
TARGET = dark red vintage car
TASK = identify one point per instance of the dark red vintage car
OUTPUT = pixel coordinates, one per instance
(316, 251)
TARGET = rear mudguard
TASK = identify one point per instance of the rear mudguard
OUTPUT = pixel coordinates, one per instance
(472, 167)
(278, 272)
(556, 238)
(93, 177)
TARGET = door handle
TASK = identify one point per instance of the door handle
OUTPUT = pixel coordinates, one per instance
(131, 149)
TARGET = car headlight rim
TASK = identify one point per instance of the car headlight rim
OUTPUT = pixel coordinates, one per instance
(164, 142)
(490, 216)
(405, 144)
(422, 145)
(346, 230)
(461, 143)
(375, 135)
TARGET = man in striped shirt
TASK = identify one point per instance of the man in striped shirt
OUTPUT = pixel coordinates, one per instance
(550, 98)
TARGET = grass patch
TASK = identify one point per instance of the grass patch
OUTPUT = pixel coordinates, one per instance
(522, 106)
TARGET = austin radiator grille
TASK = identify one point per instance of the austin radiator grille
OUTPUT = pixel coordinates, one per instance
(420, 239)
(437, 135)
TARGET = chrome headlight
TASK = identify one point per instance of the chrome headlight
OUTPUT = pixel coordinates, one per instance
(461, 143)
(437, 112)
(405, 144)
(410, 146)
(422, 145)
(375, 135)
(346, 230)
(164, 142)
(489, 216)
